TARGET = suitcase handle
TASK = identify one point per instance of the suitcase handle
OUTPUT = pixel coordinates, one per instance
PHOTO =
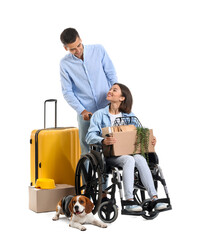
(50, 100)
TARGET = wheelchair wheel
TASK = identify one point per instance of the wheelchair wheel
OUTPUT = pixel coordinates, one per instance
(108, 212)
(88, 180)
(149, 213)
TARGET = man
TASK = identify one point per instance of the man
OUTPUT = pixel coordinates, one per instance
(87, 74)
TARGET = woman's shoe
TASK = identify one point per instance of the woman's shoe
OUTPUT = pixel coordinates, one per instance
(160, 206)
(133, 208)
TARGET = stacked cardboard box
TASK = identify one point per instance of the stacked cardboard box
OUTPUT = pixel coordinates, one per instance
(45, 200)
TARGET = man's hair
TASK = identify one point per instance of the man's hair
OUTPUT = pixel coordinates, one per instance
(69, 35)
(126, 105)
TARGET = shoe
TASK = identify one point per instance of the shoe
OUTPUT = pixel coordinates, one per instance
(160, 206)
(133, 208)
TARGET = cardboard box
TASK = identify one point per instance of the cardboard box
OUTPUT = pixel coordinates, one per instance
(45, 200)
(126, 138)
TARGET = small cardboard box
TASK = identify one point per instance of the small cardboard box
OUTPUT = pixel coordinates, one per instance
(126, 139)
(45, 200)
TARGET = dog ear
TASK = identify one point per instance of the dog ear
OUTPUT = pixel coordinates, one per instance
(70, 206)
(89, 205)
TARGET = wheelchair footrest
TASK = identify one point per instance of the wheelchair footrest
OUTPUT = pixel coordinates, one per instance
(161, 200)
(149, 205)
(126, 212)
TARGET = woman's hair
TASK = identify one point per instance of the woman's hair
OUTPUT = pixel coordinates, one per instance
(69, 35)
(126, 105)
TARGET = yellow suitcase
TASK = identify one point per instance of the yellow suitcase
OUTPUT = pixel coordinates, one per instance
(54, 152)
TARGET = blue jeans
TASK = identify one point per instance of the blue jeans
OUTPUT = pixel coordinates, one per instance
(128, 163)
(83, 129)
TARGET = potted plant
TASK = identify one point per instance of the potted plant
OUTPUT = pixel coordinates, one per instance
(142, 141)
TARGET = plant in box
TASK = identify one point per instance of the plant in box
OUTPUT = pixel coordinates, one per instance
(142, 141)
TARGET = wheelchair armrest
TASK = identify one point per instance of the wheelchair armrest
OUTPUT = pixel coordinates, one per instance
(97, 151)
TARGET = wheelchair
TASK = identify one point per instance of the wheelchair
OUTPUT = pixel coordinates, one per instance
(92, 172)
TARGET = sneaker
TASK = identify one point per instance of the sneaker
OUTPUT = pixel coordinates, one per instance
(160, 206)
(133, 208)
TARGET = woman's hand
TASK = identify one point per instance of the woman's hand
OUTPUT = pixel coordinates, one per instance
(154, 141)
(109, 141)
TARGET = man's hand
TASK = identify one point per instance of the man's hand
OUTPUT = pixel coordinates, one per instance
(85, 114)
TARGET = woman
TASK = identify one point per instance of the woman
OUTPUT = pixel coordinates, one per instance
(120, 106)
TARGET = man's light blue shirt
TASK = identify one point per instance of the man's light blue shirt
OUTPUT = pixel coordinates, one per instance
(85, 83)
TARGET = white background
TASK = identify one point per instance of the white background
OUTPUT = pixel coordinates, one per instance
(154, 47)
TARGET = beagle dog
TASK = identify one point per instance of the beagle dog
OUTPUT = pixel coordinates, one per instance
(79, 209)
